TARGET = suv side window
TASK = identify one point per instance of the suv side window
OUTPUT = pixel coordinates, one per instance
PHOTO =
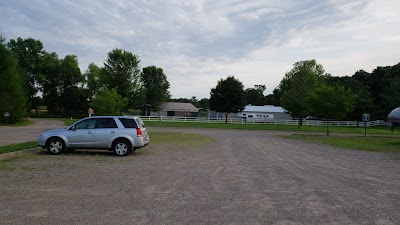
(128, 123)
(85, 124)
(106, 123)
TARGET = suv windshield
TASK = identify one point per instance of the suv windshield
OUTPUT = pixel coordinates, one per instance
(85, 124)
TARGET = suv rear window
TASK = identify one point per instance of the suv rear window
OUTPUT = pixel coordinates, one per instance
(140, 123)
(128, 123)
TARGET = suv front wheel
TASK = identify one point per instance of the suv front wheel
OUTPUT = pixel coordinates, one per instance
(55, 146)
(121, 147)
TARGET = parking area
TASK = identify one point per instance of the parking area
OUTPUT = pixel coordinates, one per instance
(242, 177)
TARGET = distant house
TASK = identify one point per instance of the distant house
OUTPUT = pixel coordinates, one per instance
(177, 109)
(264, 112)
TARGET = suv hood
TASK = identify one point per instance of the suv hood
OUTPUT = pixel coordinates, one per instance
(55, 130)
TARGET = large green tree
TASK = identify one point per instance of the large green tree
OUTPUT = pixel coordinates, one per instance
(50, 82)
(391, 96)
(331, 102)
(227, 97)
(155, 86)
(108, 102)
(377, 83)
(12, 95)
(29, 53)
(364, 100)
(72, 96)
(121, 72)
(60, 85)
(297, 86)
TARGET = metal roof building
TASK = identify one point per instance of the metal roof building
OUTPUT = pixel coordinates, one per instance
(264, 112)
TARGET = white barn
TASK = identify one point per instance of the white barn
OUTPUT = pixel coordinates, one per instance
(264, 112)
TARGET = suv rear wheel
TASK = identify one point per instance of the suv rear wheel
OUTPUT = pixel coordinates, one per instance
(121, 147)
(55, 146)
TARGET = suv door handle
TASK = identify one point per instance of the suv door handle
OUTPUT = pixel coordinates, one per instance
(113, 132)
(89, 132)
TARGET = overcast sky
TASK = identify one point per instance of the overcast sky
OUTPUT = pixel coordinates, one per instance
(199, 42)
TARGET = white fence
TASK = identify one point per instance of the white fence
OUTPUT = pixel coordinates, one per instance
(264, 121)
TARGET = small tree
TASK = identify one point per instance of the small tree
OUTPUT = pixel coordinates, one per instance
(108, 102)
(331, 102)
(227, 97)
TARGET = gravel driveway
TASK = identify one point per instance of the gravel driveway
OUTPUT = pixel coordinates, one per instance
(243, 177)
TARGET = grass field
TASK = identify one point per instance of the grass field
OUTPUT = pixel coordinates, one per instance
(382, 130)
(370, 143)
(17, 147)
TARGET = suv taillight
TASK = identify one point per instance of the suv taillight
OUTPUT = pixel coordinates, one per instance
(139, 132)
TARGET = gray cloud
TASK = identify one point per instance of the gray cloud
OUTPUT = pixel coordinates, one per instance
(198, 40)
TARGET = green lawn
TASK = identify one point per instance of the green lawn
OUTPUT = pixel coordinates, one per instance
(369, 143)
(308, 129)
(17, 147)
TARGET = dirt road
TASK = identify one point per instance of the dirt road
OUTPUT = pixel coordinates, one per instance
(243, 177)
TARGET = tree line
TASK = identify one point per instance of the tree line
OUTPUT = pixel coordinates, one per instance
(27, 72)
(307, 90)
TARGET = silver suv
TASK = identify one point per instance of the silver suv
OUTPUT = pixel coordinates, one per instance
(120, 134)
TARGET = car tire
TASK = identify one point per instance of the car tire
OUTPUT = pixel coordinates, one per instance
(55, 146)
(121, 147)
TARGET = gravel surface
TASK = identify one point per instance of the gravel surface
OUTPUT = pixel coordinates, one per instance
(242, 177)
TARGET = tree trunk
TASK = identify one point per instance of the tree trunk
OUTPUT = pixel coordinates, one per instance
(226, 117)
(327, 128)
(300, 121)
